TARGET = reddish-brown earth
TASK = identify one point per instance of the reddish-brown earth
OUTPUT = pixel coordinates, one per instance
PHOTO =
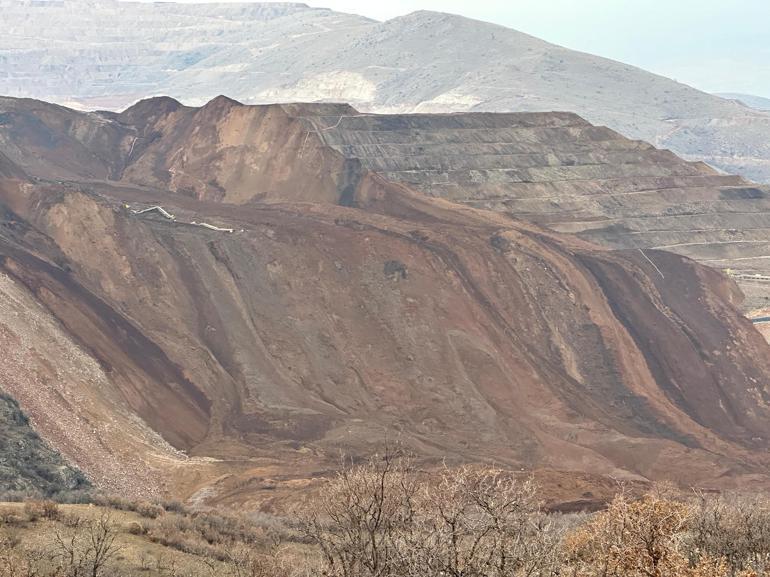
(344, 310)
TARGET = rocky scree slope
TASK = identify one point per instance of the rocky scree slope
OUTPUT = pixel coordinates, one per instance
(106, 54)
(292, 301)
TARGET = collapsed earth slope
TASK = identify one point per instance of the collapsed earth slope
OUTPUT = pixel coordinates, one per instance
(558, 170)
(213, 302)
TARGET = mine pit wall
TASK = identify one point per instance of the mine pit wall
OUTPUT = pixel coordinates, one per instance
(71, 144)
(149, 382)
(354, 185)
(699, 362)
(558, 170)
(73, 400)
(468, 256)
(60, 247)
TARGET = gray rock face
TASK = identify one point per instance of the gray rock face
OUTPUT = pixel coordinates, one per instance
(107, 54)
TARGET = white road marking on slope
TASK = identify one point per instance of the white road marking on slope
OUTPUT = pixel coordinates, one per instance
(652, 263)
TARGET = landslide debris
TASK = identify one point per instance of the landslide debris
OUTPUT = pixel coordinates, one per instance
(350, 289)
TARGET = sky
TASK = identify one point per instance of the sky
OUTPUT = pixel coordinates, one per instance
(714, 45)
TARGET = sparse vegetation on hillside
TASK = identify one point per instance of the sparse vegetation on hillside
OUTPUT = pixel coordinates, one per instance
(383, 519)
(44, 539)
(27, 464)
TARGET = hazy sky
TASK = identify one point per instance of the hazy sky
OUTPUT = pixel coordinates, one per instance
(714, 45)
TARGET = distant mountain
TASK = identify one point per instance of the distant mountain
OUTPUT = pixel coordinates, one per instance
(757, 102)
(104, 54)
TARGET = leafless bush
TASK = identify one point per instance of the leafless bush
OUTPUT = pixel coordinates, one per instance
(135, 528)
(244, 561)
(10, 516)
(359, 521)
(86, 549)
(378, 520)
(482, 522)
(206, 534)
(18, 560)
(51, 510)
(35, 510)
(149, 510)
(115, 502)
(383, 518)
(174, 507)
(735, 528)
(647, 537)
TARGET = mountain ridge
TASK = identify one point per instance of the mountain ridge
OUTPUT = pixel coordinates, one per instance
(424, 61)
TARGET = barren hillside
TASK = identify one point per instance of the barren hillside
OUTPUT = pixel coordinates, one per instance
(292, 297)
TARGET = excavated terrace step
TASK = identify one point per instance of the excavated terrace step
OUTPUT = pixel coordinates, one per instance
(560, 171)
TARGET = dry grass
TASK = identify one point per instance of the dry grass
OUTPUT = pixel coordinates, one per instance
(380, 519)
(33, 536)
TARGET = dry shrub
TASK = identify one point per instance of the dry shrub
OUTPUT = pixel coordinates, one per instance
(223, 529)
(135, 528)
(114, 502)
(174, 507)
(483, 522)
(736, 528)
(384, 519)
(87, 548)
(72, 521)
(244, 561)
(642, 538)
(169, 531)
(50, 510)
(19, 560)
(10, 516)
(180, 533)
(149, 510)
(34, 510)
(378, 519)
